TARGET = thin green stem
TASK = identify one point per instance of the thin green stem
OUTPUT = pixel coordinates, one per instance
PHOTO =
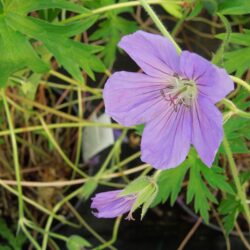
(114, 236)
(50, 219)
(241, 82)
(59, 113)
(36, 205)
(124, 162)
(72, 81)
(15, 155)
(159, 24)
(79, 137)
(61, 125)
(29, 236)
(59, 150)
(107, 160)
(234, 108)
(235, 174)
(113, 7)
(85, 224)
(42, 231)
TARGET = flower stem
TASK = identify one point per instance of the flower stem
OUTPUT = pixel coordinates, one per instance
(241, 82)
(159, 24)
(233, 168)
(54, 211)
(234, 108)
(114, 237)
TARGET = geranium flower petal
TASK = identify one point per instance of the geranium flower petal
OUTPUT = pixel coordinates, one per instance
(155, 54)
(166, 140)
(110, 205)
(212, 81)
(207, 130)
(133, 98)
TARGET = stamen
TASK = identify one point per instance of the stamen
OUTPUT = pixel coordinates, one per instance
(182, 91)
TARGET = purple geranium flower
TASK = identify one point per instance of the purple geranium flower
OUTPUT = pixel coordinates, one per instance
(174, 98)
(110, 204)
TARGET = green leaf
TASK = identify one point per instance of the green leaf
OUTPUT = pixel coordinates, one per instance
(139, 129)
(75, 242)
(33, 25)
(110, 31)
(216, 178)
(23, 7)
(229, 208)
(169, 184)
(16, 53)
(16, 242)
(136, 186)
(88, 188)
(196, 10)
(234, 7)
(210, 5)
(237, 130)
(197, 189)
(143, 197)
(149, 202)
(238, 60)
(237, 38)
(173, 9)
(70, 54)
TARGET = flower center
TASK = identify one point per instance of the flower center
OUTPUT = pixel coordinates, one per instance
(180, 91)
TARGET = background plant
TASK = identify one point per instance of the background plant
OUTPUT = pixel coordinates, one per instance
(55, 58)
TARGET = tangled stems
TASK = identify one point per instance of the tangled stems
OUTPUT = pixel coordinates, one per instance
(60, 151)
(15, 154)
(50, 219)
(17, 171)
(233, 168)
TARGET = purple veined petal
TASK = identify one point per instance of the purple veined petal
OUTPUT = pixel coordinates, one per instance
(154, 54)
(166, 140)
(134, 98)
(212, 81)
(207, 129)
(110, 205)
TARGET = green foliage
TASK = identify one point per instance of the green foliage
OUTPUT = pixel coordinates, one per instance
(234, 7)
(136, 186)
(170, 183)
(139, 129)
(230, 206)
(13, 242)
(76, 242)
(17, 29)
(88, 188)
(112, 29)
(219, 55)
(237, 59)
(173, 9)
(237, 129)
